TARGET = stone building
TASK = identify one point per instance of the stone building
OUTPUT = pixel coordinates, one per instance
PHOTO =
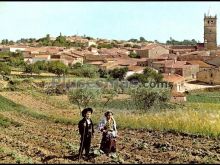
(210, 76)
(210, 32)
(152, 50)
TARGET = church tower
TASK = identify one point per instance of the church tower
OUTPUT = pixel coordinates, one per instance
(210, 33)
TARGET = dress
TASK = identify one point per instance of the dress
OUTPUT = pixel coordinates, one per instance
(108, 142)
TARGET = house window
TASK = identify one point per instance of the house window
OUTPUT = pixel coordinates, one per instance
(211, 75)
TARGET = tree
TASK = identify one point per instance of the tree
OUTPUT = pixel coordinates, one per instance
(142, 39)
(138, 78)
(42, 65)
(103, 73)
(145, 98)
(77, 65)
(118, 73)
(133, 40)
(31, 68)
(16, 59)
(108, 95)
(57, 68)
(4, 69)
(134, 55)
(152, 74)
(11, 42)
(85, 70)
(83, 96)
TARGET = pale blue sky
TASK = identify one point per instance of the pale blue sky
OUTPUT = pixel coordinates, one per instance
(110, 20)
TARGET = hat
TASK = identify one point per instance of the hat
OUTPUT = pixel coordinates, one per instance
(84, 111)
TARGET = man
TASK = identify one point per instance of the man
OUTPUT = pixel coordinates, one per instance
(86, 131)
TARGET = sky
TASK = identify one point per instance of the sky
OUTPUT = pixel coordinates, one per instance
(111, 20)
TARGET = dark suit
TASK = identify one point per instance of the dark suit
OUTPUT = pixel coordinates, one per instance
(86, 133)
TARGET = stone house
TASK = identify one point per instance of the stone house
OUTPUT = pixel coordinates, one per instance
(210, 76)
(202, 64)
(152, 50)
(41, 57)
(176, 81)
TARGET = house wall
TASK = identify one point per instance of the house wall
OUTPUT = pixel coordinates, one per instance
(178, 86)
(16, 49)
(157, 51)
(4, 49)
(154, 52)
(80, 60)
(177, 99)
(211, 76)
(143, 53)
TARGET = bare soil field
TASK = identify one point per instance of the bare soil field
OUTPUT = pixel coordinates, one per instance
(43, 141)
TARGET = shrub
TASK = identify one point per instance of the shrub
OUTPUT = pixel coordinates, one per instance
(145, 98)
(4, 69)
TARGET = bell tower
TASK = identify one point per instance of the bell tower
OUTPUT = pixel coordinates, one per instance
(210, 33)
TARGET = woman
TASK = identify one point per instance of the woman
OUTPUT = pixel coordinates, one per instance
(109, 133)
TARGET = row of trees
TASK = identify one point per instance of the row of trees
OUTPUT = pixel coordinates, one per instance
(184, 42)
(142, 97)
(55, 67)
(14, 59)
(7, 42)
(59, 41)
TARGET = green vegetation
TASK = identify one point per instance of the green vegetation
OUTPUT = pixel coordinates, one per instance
(57, 68)
(134, 55)
(4, 69)
(145, 98)
(60, 41)
(148, 75)
(204, 97)
(8, 105)
(5, 122)
(85, 70)
(83, 96)
(105, 45)
(7, 42)
(184, 42)
(118, 73)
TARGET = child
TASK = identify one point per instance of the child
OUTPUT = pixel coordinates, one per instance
(86, 131)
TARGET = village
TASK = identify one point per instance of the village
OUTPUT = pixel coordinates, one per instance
(110, 83)
(179, 64)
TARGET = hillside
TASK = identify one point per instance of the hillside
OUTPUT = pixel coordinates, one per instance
(36, 134)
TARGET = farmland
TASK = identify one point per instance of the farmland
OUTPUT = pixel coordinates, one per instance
(40, 128)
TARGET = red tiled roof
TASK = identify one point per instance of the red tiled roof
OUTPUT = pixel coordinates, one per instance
(149, 46)
(177, 94)
(135, 68)
(172, 77)
(200, 63)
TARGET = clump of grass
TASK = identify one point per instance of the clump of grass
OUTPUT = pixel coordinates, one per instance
(6, 122)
